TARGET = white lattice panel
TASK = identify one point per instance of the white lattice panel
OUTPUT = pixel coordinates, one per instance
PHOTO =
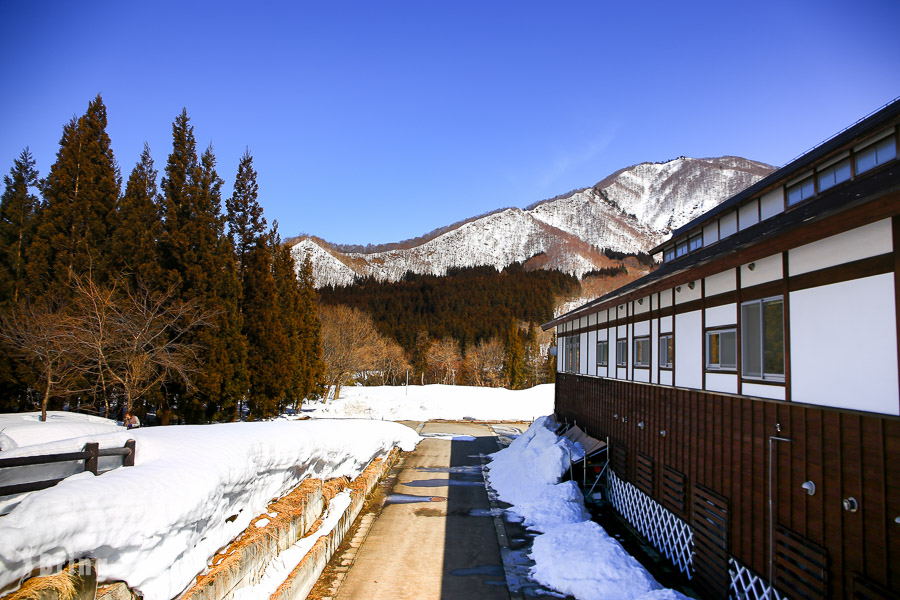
(669, 534)
(747, 585)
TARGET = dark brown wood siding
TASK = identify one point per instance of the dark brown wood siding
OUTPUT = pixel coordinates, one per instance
(721, 443)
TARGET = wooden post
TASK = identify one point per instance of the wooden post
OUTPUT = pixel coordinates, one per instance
(91, 463)
(128, 460)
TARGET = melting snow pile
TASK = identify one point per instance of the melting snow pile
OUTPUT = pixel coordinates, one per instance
(428, 402)
(192, 490)
(573, 554)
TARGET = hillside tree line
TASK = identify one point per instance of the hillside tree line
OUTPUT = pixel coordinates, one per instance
(161, 296)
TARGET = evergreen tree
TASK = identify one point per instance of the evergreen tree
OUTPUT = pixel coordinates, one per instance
(138, 225)
(196, 254)
(268, 356)
(17, 220)
(514, 365)
(80, 197)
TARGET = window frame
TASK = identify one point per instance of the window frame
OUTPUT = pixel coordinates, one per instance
(874, 147)
(621, 357)
(691, 243)
(707, 359)
(638, 355)
(667, 341)
(833, 171)
(802, 187)
(746, 337)
(605, 354)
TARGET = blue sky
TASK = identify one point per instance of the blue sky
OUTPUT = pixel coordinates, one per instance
(373, 122)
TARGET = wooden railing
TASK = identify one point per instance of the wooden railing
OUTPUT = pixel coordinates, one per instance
(90, 455)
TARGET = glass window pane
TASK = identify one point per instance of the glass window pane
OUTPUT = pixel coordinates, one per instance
(807, 188)
(793, 195)
(826, 179)
(728, 350)
(712, 350)
(865, 160)
(842, 171)
(751, 340)
(885, 151)
(773, 332)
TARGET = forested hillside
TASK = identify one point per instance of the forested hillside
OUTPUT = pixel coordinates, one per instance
(151, 299)
(468, 304)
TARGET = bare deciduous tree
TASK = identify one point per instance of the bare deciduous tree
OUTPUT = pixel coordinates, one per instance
(484, 363)
(350, 343)
(44, 334)
(444, 360)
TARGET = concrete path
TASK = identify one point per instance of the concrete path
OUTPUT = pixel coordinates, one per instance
(443, 549)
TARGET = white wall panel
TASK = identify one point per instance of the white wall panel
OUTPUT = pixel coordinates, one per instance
(748, 214)
(764, 270)
(592, 352)
(721, 315)
(862, 242)
(844, 347)
(665, 377)
(688, 350)
(642, 375)
(665, 298)
(665, 324)
(711, 233)
(583, 342)
(642, 328)
(641, 307)
(687, 294)
(721, 382)
(773, 392)
(727, 225)
(772, 203)
(721, 282)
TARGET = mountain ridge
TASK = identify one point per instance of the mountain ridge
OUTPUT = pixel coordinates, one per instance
(629, 211)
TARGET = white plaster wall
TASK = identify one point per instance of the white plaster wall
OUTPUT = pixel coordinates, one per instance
(879, 136)
(687, 294)
(654, 349)
(772, 203)
(665, 324)
(642, 328)
(798, 179)
(592, 352)
(764, 270)
(665, 377)
(665, 299)
(583, 343)
(844, 347)
(748, 215)
(688, 350)
(862, 242)
(642, 375)
(721, 382)
(560, 352)
(639, 308)
(621, 331)
(721, 282)
(728, 224)
(721, 315)
(601, 317)
(773, 392)
(711, 233)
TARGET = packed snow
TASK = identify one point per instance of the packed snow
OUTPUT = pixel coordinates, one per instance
(27, 429)
(572, 554)
(433, 402)
(192, 490)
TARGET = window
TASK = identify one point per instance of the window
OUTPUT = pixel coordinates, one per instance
(669, 254)
(876, 154)
(834, 175)
(666, 350)
(681, 249)
(602, 353)
(621, 353)
(801, 191)
(695, 243)
(573, 353)
(762, 339)
(642, 352)
(721, 350)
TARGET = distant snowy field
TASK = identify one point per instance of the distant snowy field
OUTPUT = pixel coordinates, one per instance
(432, 402)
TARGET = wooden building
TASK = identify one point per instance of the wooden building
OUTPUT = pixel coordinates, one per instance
(750, 386)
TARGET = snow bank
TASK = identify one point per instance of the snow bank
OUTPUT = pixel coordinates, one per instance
(423, 403)
(27, 429)
(192, 490)
(573, 554)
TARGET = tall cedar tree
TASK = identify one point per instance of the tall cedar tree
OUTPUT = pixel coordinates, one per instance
(17, 221)
(514, 365)
(138, 225)
(80, 197)
(195, 253)
(268, 356)
(299, 314)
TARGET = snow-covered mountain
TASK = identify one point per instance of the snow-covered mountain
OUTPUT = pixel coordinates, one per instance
(630, 211)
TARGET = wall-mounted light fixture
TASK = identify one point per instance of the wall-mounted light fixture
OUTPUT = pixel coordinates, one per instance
(640, 300)
(641, 424)
(662, 432)
(809, 486)
(850, 504)
(678, 289)
(751, 266)
(691, 285)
